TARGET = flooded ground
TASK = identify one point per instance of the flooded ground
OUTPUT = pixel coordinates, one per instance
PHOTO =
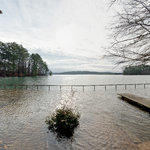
(106, 121)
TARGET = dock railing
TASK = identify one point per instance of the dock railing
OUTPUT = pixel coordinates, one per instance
(49, 87)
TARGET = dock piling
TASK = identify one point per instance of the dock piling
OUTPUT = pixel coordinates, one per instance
(125, 86)
(135, 86)
(71, 88)
(94, 87)
(116, 87)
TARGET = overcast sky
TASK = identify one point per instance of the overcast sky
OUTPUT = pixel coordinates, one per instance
(68, 34)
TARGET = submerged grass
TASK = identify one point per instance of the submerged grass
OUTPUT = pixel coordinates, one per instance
(63, 121)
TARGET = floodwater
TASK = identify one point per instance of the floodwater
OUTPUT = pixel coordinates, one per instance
(106, 122)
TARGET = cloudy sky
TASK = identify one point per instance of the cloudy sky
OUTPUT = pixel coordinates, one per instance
(68, 34)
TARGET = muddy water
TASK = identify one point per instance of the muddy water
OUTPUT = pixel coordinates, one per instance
(106, 121)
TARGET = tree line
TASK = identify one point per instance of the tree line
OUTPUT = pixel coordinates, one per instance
(137, 70)
(15, 60)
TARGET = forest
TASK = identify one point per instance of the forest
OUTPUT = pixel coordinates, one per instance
(15, 60)
(137, 70)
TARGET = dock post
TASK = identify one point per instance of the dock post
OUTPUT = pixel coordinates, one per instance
(49, 87)
(60, 87)
(83, 88)
(135, 86)
(116, 87)
(125, 86)
(94, 87)
(37, 87)
(144, 86)
(105, 87)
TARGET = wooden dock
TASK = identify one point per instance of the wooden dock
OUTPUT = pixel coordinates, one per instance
(60, 87)
(136, 99)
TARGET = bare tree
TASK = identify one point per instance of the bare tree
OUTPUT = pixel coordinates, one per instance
(131, 33)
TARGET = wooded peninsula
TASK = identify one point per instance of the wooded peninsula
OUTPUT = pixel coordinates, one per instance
(15, 60)
(137, 70)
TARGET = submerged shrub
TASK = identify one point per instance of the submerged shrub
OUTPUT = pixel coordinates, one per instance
(63, 121)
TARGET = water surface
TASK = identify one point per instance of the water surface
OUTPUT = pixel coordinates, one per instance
(106, 121)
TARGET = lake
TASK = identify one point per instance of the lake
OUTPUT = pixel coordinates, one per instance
(106, 122)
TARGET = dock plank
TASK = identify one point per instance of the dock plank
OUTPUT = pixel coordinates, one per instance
(140, 100)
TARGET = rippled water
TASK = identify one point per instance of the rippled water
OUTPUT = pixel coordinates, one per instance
(106, 121)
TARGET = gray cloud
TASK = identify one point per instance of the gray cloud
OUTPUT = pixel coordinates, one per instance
(68, 34)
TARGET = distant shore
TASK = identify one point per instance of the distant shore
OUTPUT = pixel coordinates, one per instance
(86, 73)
